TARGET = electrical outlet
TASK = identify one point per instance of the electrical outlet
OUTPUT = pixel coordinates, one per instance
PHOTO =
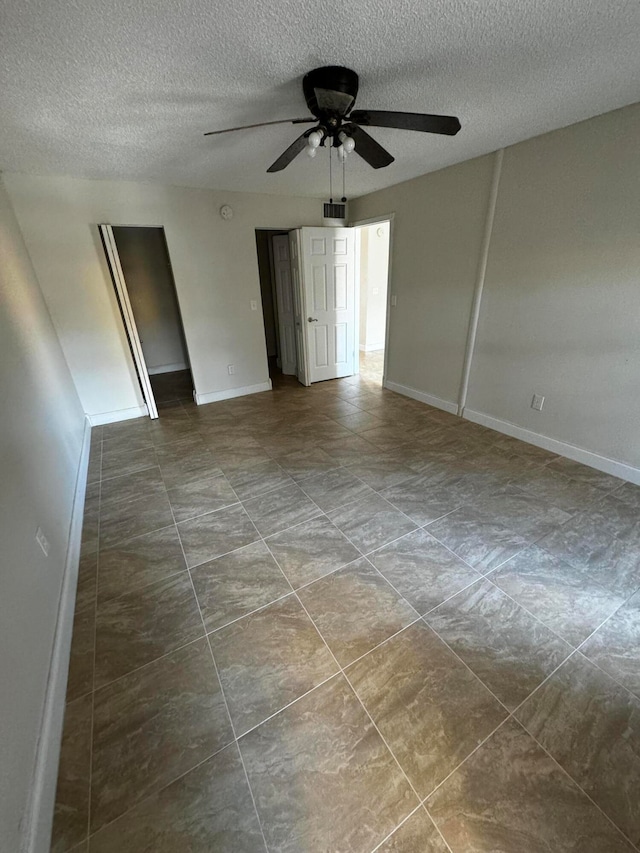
(231, 369)
(537, 402)
(394, 300)
(254, 305)
(42, 541)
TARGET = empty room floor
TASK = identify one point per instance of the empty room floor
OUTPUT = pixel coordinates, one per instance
(335, 619)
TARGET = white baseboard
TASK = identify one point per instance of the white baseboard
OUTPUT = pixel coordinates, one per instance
(371, 347)
(38, 817)
(429, 399)
(578, 454)
(167, 368)
(119, 415)
(230, 393)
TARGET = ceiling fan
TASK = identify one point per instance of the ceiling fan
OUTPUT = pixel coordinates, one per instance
(330, 93)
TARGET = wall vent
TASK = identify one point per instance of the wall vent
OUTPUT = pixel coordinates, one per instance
(335, 211)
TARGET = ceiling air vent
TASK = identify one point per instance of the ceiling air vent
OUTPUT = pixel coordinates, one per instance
(334, 214)
(334, 211)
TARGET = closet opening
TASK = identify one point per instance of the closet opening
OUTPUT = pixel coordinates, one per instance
(143, 278)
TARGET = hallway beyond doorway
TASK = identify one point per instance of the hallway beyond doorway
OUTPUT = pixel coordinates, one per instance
(372, 366)
(374, 245)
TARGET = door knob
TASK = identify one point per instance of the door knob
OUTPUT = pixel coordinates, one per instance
(312, 319)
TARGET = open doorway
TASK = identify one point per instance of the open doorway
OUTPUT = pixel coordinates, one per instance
(274, 267)
(374, 282)
(142, 275)
(309, 302)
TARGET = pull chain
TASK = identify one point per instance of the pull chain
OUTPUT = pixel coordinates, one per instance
(344, 192)
(330, 178)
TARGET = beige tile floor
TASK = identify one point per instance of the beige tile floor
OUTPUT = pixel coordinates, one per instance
(335, 619)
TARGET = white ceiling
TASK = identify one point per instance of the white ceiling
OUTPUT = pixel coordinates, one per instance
(125, 88)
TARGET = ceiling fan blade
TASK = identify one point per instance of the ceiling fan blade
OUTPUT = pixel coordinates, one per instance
(263, 124)
(290, 154)
(449, 125)
(369, 149)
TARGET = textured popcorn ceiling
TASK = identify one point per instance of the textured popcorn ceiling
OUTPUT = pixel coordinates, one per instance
(125, 90)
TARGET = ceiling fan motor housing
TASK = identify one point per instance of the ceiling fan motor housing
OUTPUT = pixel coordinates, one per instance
(330, 92)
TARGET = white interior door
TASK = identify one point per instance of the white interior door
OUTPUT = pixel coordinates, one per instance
(120, 285)
(284, 302)
(328, 265)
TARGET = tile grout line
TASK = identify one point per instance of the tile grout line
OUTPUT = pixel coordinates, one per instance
(593, 663)
(353, 691)
(575, 648)
(396, 828)
(526, 610)
(342, 672)
(475, 568)
(449, 597)
(138, 669)
(149, 796)
(577, 784)
(233, 731)
(536, 544)
(422, 617)
(464, 760)
(512, 716)
(222, 693)
(433, 823)
(177, 524)
(215, 666)
(466, 665)
(334, 571)
(289, 704)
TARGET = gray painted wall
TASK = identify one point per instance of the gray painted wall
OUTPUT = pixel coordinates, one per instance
(560, 314)
(437, 234)
(41, 432)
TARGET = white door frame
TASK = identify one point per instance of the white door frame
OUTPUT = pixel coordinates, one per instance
(120, 285)
(295, 257)
(388, 217)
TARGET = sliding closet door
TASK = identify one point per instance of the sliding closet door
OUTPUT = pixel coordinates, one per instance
(120, 285)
